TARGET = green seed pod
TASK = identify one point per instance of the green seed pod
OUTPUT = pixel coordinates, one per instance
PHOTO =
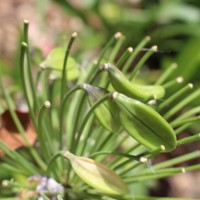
(97, 175)
(133, 90)
(105, 112)
(144, 124)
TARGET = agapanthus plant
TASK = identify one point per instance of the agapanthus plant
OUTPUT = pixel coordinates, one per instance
(98, 129)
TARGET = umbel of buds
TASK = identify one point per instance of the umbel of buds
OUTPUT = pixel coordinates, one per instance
(97, 175)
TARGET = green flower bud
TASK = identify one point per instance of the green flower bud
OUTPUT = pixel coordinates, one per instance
(144, 124)
(97, 175)
(105, 112)
(133, 90)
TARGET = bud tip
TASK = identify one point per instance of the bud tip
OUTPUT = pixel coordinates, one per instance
(26, 21)
(24, 44)
(190, 85)
(118, 35)
(174, 65)
(104, 67)
(162, 147)
(42, 66)
(84, 86)
(130, 49)
(152, 102)
(114, 95)
(95, 62)
(154, 48)
(180, 79)
(5, 183)
(74, 34)
(143, 159)
(183, 170)
(52, 76)
(47, 104)
(148, 38)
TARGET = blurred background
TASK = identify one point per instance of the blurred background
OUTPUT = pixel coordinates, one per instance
(174, 26)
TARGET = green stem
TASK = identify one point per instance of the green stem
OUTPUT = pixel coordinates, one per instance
(90, 112)
(182, 103)
(53, 159)
(64, 71)
(115, 161)
(120, 154)
(147, 156)
(189, 113)
(179, 122)
(109, 143)
(108, 45)
(17, 158)
(30, 77)
(160, 173)
(24, 85)
(189, 139)
(64, 101)
(135, 53)
(124, 56)
(44, 139)
(12, 169)
(98, 135)
(79, 106)
(175, 96)
(117, 46)
(104, 82)
(20, 127)
(142, 61)
(142, 158)
(177, 160)
(182, 128)
(87, 134)
(173, 83)
(166, 74)
(106, 140)
(75, 141)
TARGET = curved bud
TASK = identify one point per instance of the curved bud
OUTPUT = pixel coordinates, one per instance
(123, 85)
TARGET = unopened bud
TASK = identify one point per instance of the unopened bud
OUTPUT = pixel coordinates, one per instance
(97, 175)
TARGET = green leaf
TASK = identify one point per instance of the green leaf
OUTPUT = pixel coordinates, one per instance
(55, 61)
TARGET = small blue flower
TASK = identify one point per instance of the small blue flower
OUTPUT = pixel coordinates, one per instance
(53, 186)
(46, 185)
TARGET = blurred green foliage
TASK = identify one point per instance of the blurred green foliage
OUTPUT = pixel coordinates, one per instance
(174, 26)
